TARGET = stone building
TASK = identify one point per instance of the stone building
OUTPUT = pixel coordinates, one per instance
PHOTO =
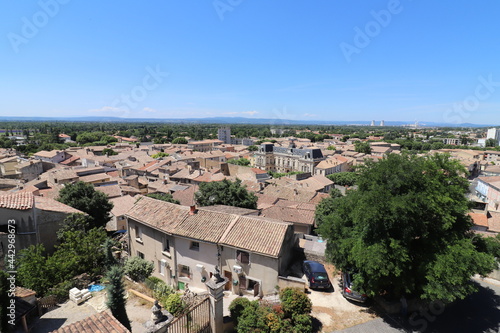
(282, 159)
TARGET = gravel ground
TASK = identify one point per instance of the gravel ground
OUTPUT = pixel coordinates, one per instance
(138, 311)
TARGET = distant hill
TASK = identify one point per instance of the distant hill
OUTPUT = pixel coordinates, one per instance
(234, 120)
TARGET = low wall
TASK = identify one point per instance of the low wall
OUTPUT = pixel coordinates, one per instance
(292, 282)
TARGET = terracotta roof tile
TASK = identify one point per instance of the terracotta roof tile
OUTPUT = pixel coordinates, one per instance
(18, 201)
(102, 322)
(205, 225)
(157, 213)
(257, 235)
(52, 205)
(289, 214)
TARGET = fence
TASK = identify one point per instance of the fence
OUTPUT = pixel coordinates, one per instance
(197, 320)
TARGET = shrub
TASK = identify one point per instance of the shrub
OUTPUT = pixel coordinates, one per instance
(236, 308)
(175, 305)
(152, 281)
(294, 302)
(302, 323)
(138, 269)
(61, 290)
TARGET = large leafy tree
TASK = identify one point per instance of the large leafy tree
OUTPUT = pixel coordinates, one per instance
(227, 193)
(84, 197)
(406, 229)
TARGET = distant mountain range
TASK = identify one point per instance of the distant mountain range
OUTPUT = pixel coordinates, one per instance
(234, 120)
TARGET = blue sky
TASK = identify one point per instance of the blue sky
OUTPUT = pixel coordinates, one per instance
(328, 60)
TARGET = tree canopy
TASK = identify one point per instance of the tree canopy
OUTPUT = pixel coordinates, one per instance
(404, 227)
(84, 197)
(362, 147)
(225, 193)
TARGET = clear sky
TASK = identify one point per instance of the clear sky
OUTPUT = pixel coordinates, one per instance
(327, 59)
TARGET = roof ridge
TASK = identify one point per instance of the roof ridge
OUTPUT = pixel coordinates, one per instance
(229, 227)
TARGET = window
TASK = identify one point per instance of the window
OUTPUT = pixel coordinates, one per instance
(138, 233)
(195, 246)
(166, 245)
(184, 271)
(243, 257)
(140, 254)
(161, 267)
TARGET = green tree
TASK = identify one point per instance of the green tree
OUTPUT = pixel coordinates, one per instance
(4, 302)
(332, 147)
(362, 147)
(109, 152)
(175, 304)
(236, 308)
(403, 226)
(109, 258)
(294, 302)
(179, 140)
(32, 269)
(74, 222)
(252, 148)
(84, 197)
(160, 155)
(491, 143)
(253, 318)
(164, 197)
(225, 193)
(138, 269)
(343, 178)
(240, 161)
(116, 296)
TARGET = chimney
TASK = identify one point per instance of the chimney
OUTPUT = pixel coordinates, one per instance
(192, 210)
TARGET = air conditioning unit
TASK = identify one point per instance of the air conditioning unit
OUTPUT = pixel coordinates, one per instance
(200, 267)
(237, 269)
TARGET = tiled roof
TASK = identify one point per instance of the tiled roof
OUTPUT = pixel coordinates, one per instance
(102, 322)
(70, 160)
(52, 205)
(18, 201)
(257, 235)
(230, 210)
(157, 213)
(112, 191)
(186, 197)
(121, 205)
(295, 204)
(494, 221)
(48, 154)
(24, 292)
(205, 225)
(289, 214)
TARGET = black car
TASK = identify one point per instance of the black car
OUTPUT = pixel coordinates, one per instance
(347, 290)
(316, 274)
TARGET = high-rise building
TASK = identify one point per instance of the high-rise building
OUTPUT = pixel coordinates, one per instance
(494, 133)
(373, 123)
(224, 134)
(382, 123)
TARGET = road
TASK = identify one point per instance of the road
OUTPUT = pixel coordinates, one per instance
(478, 313)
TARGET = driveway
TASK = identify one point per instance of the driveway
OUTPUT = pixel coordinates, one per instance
(478, 313)
(333, 311)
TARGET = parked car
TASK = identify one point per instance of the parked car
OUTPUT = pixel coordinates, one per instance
(347, 290)
(316, 275)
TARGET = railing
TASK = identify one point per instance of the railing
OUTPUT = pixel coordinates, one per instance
(196, 320)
